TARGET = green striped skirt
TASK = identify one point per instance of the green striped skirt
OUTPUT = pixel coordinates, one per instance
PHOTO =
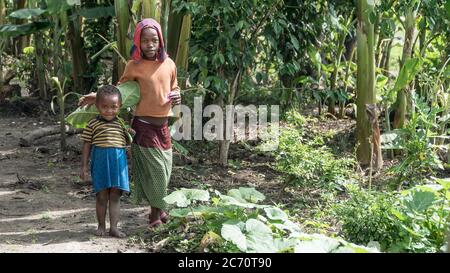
(151, 155)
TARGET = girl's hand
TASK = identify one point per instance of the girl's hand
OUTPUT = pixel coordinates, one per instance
(131, 131)
(175, 97)
(88, 99)
(84, 174)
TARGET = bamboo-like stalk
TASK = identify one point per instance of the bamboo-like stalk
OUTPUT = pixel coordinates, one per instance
(165, 19)
(183, 43)
(152, 9)
(79, 61)
(123, 20)
(174, 28)
(402, 100)
(366, 93)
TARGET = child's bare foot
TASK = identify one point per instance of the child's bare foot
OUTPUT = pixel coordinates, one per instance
(101, 231)
(116, 233)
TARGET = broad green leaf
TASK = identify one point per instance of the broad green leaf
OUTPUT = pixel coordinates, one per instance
(275, 213)
(259, 237)
(229, 201)
(130, 92)
(26, 13)
(81, 116)
(25, 29)
(420, 200)
(178, 198)
(130, 97)
(184, 197)
(197, 211)
(246, 194)
(392, 140)
(322, 245)
(285, 244)
(256, 226)
(195, 194)
(407, 73)
(234, 234)
(288, 225)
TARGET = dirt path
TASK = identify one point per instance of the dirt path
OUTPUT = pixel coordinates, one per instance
(43, 205)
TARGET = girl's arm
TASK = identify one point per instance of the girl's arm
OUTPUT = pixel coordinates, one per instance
(84, 160)
(87, 99)
(174, 94)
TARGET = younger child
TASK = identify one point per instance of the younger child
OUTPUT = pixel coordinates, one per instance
(105, 141)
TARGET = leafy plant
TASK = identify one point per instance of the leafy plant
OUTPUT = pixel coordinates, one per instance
(305, 162)
(416, 140)
(366, 217)
(422, 214)
(235, 222)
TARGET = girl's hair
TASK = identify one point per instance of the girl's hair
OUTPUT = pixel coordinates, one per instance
(108, 90)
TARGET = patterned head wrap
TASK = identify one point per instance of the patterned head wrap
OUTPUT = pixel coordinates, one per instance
(136, 53)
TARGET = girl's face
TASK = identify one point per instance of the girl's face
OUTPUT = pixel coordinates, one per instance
(149, 43)
(109, 106)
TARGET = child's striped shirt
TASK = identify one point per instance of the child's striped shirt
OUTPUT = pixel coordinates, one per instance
(103, 133)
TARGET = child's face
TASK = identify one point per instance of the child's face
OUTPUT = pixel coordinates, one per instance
(149, 43)
(109, 106)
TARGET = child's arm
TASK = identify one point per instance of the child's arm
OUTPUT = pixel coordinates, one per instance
(88, 99)
(85, 160)
(174, 94)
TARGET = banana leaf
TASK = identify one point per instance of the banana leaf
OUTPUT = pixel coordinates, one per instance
(130, 96)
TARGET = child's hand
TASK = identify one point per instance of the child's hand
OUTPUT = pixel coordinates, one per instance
(131, 131)
(174, 97)
(87, 99)
(84, 174)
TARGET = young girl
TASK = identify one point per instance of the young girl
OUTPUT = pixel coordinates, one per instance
(105, 141)
(151, 149)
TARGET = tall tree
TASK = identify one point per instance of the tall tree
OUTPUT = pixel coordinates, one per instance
(79, 61)
(366, 93)
(409, 25)
(123, 22)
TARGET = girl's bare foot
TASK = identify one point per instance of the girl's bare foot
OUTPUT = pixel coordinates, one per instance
(116, 233)
(101, 231)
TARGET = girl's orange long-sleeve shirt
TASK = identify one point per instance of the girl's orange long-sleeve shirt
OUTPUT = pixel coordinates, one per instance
(156, 79)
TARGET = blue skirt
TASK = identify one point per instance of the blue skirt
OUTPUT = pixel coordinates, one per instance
(109, 168)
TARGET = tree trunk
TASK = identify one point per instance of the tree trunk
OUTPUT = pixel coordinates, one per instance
(402, 99)
(384, 63)
(334, 76)
(183, 43)
(175, 24)
(366, 93)
(152, 9)
(224, 145)
(123, 43)
(42, 84)
(37, 134)
(347, 75)
(20, 41)
(79, 61)
(165, 11)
